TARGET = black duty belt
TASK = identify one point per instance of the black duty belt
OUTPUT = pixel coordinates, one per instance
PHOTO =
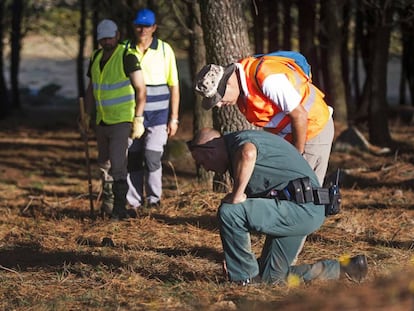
(301, 191)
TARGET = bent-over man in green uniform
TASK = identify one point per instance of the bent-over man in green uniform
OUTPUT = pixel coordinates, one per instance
(263, 167)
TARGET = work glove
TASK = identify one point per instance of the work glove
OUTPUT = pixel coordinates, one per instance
(137, 127)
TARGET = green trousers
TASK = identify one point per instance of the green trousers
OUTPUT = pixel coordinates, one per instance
(285, 224)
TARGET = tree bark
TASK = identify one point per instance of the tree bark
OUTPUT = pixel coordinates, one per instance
(345, 55)
(307, 35)
(287, 25)
(407, 60)
(375, 51)
(95, 22)
(377, 118)
(355, 80)
(226, 41)
(4, 102)
(258, 12)
(79, 61)
(16, 37)
(197, 50)
(273, 25)
(331, 45)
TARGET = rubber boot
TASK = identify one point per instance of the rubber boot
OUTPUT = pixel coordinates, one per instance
(107, 194)
(120, 189)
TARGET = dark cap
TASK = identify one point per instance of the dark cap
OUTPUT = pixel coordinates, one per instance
(211, 83)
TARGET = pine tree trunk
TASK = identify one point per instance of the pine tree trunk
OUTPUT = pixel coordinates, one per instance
(307, 35)
(16, 37)
(226, 40)
(4, 102)
(331, 44)
(79, 62)
(197, 50)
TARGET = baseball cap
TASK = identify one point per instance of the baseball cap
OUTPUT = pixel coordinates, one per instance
(145, 17)
(211, 83)
(106, 29)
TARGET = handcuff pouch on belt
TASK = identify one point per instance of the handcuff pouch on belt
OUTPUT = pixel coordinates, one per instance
(301, 191)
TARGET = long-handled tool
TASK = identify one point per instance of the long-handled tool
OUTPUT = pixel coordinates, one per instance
(88, 165)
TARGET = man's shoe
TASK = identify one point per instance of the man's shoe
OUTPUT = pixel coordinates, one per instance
(132, 212)
(117, 216)
(355, 268)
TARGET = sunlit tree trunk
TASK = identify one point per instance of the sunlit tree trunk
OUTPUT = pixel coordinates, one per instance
(225, 36)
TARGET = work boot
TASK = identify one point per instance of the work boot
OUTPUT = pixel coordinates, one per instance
(107, 195)
(355, 268)
(120, 189)
(107, 198)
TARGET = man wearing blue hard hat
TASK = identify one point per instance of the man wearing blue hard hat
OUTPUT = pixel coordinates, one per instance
(160, 117)
(145, 17)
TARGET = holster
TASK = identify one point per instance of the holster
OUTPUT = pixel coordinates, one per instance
(335, 197)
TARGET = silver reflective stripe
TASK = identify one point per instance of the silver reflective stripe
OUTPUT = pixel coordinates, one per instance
(157, 90)
(117, 100)
(111, 87)
(276, 120)
(311, 98)
(286, 130)
(157, 105)
(158, 97)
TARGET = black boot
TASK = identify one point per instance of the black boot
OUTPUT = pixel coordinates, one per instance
(355, 269)
(120, 189)
(107, 203)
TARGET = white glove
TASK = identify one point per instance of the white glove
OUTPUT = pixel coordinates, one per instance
(138, 128)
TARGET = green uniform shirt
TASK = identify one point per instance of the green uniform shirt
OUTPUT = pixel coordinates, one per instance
(277, 163)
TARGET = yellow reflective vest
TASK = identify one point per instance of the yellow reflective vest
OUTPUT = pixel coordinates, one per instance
(112, 89)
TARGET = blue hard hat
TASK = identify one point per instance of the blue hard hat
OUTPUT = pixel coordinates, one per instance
(145, 17)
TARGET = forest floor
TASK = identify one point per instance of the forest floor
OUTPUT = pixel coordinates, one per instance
(54, 256)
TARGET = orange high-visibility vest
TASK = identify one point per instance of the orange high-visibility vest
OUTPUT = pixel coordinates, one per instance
(261, 111)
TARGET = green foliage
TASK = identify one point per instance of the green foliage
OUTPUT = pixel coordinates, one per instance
(58, 21)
